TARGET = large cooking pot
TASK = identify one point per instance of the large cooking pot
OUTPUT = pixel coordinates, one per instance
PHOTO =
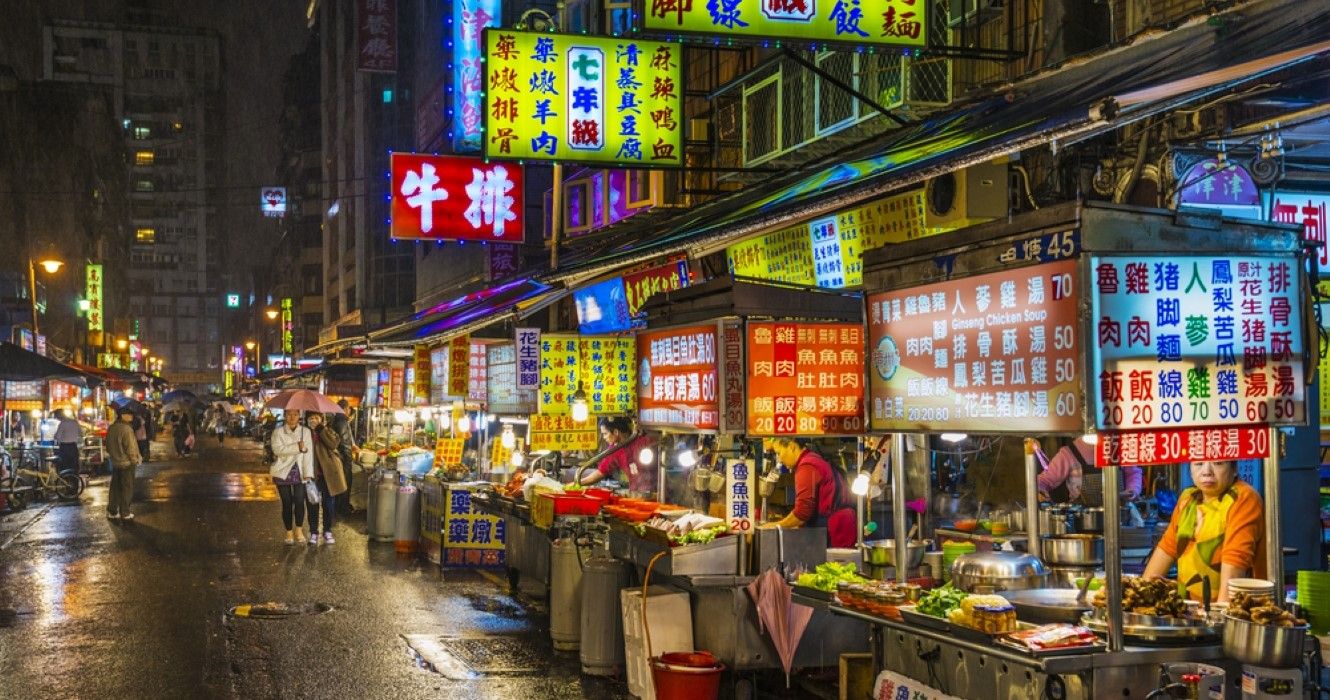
(1047, 605)
(1263, 645)
(1057, 520)
(883, 552)
(1002, 571)
(1073, 549)
(1091, 518)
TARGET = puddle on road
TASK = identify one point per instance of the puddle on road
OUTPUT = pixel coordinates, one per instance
(496, 605)
(277, 611)
(469, 658)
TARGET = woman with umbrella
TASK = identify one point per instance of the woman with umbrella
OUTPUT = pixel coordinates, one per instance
(182, 434)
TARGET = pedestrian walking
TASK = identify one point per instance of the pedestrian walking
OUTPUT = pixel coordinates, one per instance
(68, 435)
(123, 450)
(182, 434)
(349, 451)
(150, 433)
(293, 450)
(329, 476)
(17, 432)
(219, 423)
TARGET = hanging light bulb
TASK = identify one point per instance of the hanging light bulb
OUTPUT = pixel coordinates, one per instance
(507, 438)
(516, 459)
(687, 458)
(860, 485)
(464, 424)
(580, 409)
(953, 437)
(1090, 438)
(444, 419)
(646, 456)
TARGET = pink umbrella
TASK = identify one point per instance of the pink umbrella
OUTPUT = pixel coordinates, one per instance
(303, 400)
(776, 612)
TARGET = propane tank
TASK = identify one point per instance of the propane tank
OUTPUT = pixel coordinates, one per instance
(384, 522)
(565, 595)
(406, 529)
(603, 577)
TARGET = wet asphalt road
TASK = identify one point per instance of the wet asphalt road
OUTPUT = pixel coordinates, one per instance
(138, 610)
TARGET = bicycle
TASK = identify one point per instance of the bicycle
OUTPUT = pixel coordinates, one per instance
(18, 483)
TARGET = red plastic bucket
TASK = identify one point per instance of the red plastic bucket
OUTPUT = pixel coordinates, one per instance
(686, 682)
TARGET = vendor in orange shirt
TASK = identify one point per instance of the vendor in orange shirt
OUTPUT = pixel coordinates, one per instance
(1217, 531)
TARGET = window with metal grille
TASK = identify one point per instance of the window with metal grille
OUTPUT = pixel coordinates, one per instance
(762, 116)
(836, 108)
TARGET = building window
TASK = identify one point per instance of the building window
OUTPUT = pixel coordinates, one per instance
(143, 157)
(145, 235)
(144, 186)
(142, 132)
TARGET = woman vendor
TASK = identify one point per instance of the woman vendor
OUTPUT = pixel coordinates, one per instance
(821, 496)
(640, 475)
(1217, 531)
(1070, 477)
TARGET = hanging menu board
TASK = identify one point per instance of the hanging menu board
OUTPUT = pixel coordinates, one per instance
(1183, 341)
(676, 378)
(805, 379)
(602, 366)
(990, 353)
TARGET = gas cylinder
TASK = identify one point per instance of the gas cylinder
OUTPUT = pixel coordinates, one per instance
(565, 595)
(603, 577)
(406, 529)
(384, 521)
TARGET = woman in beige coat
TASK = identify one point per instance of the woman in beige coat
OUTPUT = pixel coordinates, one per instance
(328, 474)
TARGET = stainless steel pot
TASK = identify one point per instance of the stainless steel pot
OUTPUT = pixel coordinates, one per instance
(1263, 645)
(1073, 549)
(1056, 520)
(1016, 519)
(1002, 571)
(883, 552)
(1090, 519)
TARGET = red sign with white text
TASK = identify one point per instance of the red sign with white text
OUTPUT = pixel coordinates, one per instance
(676, 378)
(455, 199)
(805, 379)
(1146, 447)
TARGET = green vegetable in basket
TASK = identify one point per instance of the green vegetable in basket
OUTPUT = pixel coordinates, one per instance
(826, 576)
(939, 601)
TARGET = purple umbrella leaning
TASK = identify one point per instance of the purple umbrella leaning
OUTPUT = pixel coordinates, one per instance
(306, 400)
(782, 619)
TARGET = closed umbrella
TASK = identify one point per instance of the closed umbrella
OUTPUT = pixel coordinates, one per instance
(303, 400)
(783, 621)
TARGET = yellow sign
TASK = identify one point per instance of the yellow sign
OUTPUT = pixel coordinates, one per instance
(448, 452)
(562, 433)
(582, 98)
(602, 367)
(1323, 367)
(859, 22)
(459, 358)
(420, 361)
(95, 305)
(501, 456)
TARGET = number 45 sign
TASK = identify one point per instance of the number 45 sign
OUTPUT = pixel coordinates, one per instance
(455, 199)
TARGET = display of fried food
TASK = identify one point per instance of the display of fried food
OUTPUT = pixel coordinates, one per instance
(1142, 596)
(1261, 610)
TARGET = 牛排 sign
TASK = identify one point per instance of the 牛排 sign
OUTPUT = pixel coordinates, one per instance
(997, 352)
(454, 198)
(677, 378)
(805, 378)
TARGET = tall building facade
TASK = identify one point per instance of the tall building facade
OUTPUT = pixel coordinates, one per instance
(167, 90)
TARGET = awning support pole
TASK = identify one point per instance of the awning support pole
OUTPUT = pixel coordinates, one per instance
(1274, 540)
(898, 505)
(797, 58)
(1113, 553)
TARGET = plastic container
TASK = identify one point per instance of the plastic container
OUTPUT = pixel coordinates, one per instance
(679, 682)
(671, 616)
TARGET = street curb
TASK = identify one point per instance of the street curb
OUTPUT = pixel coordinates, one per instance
(19, 533)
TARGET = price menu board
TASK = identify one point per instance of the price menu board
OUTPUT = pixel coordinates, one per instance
(1146, 447)
(601, 366)
(998, 352)
(677, 378)
(1187, 341)
(563, 433)
(805, 379)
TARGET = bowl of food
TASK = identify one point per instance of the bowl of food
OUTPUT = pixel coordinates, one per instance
(966, 524)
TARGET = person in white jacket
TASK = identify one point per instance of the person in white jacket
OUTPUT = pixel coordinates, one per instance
(293, 445)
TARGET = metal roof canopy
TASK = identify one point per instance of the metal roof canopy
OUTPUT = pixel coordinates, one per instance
(1102, 228)
(726, 297)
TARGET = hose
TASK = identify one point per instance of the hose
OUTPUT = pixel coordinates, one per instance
(646, 627)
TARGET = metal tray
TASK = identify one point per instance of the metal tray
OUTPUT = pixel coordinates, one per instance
(814, 593)
(1153, 632)
(1060, 651)
(911, 614)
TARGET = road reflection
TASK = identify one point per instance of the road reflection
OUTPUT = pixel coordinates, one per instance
(231, 486)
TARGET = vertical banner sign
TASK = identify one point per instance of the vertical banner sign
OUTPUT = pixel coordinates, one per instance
(677, 378)
(732, 377)
(470, 537)
(607, 370)
(1186, 341)
(454, 199)
(505, 260)
(805, 378)
(528, 348)
(420, 360)
(95, 303)
(376, 35)
(740, 485)
(989, 353)
(477, 369)
(859, 22)
(459, 373)
(397, 386)
(558, 373)
(581, 98)
(470, 20)
(288, 327)
(1310, 210)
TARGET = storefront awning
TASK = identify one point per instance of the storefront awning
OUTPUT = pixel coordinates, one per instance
(1201, 61)
(464, 314)
(20, 365)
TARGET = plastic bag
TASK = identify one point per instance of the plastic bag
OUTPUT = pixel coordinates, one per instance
(312, 493)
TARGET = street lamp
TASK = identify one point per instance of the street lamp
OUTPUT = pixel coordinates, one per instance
(272, 314)
(51, 264)
(121, 344)
(254, 345)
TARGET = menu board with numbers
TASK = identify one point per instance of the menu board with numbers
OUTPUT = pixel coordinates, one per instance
(676, 378)
(998, 352)
(805, 379)
(601, 366)
(1183, 341)
(1146, 447)
(562, 433)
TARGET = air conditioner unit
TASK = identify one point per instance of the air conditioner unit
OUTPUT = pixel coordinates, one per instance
(966, 197)
(972, 13)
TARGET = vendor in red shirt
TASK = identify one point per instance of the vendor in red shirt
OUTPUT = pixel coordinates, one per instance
(640, 475)
(821, 496)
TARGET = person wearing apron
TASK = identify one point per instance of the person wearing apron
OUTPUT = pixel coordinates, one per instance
(1217, 532)
(820, 498)
(1071, 477)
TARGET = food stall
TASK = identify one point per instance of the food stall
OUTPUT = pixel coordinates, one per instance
(1088, 319)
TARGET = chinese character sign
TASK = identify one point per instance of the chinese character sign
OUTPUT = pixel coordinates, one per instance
(732, 376)
(376, 35)
(989, 353)
(477, 377)
(677, 378)
(470, 537)
(805, 378)
(740, 490)
(505, 260)
(1310, 210)
(459, 373)
(1197, 341)
(527, 346)
(559, 358)
(444, 198)
(470, 20)
(420, 361)
(1146, 447)
(861, 22)
(448, 451)
(96, 306)
(581, 98)
(562, 433)
(288, 326)
(272, 201)
(603, 367)
(640, 286)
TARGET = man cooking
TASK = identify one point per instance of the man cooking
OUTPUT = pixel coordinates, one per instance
(639, 474)
(821, 496)
(1217, 532)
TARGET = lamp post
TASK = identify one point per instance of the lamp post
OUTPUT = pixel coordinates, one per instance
(51, 265)
(254, 345)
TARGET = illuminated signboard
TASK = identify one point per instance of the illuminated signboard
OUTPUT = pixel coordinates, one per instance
(459, 376)
(990, 353)
(95, 302)
(422, 380)
(1184, 341)
(604, 367)
(860, 22)
(805, 378)
(563, 433)
(582, 98)
(677, 378)
(615, 304)
(470, 20)
(376, 36)
(288, 326)
(232, 301)
(272, 201)
(470, 537)
(444, 198)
